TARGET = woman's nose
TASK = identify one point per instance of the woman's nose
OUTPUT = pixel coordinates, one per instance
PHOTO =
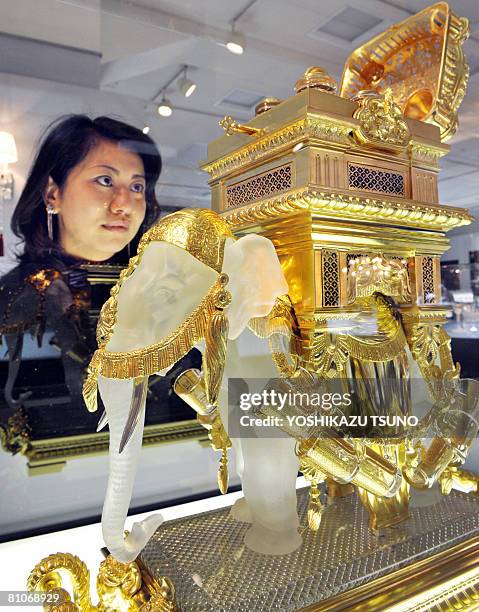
(121, 201)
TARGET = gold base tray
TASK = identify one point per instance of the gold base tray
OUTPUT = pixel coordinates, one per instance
(343, 566)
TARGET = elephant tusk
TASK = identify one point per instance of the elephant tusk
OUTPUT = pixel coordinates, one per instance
(103, 422)
(140, 388)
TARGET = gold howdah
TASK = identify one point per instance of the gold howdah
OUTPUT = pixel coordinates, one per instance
(346, 188)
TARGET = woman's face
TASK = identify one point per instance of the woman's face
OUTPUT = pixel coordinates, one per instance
(102, 203)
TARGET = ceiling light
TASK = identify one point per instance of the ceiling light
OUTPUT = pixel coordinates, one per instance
(146, 129)
(186, 85)
(236, 43)
(165, 109)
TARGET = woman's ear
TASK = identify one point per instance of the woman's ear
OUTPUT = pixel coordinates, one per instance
(51, 195)
(256, 280)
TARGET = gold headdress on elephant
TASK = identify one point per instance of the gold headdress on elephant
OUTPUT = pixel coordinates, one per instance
(203, 235)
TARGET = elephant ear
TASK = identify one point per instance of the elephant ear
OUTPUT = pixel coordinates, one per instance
(256, 280)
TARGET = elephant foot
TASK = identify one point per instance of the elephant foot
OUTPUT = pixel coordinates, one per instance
(240, 511)
(269, 542)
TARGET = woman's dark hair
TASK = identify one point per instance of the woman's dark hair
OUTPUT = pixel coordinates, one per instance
(65, 144)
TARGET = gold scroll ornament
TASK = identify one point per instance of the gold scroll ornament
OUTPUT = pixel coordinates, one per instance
(120, 586)
(421, 61)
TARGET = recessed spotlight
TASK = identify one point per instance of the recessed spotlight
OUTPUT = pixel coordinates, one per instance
(165, 109)
(146, 129)
(236, 43)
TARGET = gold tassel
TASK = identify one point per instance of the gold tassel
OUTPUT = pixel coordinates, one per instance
(220, 442)
(223, 472)
(216, 340)
(90, 386)
(315, 508)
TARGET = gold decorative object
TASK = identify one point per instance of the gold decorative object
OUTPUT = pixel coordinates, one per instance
(231, 127)
(326, 203)
(368, 275)
(15, 437)
(431, 348)
(191, 387)
(386, 512)
(421, 61)
(120, 586)
(266, 104)
(381, 121)
(461, 480)
(316, 78)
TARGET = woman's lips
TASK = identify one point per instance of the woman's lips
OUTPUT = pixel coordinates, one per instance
(115, 227)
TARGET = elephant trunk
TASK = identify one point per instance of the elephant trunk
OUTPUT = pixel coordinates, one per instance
(116, 396)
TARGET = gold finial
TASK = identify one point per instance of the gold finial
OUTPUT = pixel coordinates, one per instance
(266, 104)
(316, 77)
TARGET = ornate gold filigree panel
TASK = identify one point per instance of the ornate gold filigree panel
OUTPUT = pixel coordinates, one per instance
(261, 186)
(378, 180)
(427, 273)
(330, 278)
(319, 128)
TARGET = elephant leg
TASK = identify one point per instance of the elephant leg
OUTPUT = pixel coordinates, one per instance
(240, 510)
(116, 396)
(269, 485)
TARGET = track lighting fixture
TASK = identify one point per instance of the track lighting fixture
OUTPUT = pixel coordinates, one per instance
(236, 42)
(186, 85)
(165, 109)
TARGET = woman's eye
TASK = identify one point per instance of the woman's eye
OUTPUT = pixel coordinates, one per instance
(138, 188)
(105, 181)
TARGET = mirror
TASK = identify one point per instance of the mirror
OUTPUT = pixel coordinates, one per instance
(42, 367)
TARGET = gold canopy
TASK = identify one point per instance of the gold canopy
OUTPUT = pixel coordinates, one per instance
(421, 61)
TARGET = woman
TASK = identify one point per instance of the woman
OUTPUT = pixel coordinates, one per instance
(90, 189)
(89, 196)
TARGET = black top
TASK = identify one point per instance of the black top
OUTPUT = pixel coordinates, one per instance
(53, 303)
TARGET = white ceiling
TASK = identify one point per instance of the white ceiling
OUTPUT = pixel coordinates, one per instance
(134, 47)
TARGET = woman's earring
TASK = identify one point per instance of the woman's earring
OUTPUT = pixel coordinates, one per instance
(50, 212)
